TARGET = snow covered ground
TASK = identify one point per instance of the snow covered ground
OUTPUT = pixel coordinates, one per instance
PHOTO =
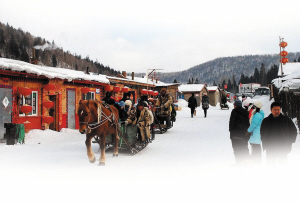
(192, 162)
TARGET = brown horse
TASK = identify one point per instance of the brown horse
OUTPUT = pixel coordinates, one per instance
(97, 120)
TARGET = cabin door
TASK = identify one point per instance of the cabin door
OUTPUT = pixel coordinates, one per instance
(5, 108)
(54, 112)
(71, 109)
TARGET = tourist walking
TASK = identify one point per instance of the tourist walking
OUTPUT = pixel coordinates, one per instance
(253, 132)
(278, 133)
(238, 125)
(205, 103)
(192, 104)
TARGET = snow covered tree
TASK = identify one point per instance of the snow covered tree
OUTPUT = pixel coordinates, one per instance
(54, 61)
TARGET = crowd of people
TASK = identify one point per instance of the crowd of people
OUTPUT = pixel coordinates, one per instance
(248, 125)
(141, 114)
(274, 134)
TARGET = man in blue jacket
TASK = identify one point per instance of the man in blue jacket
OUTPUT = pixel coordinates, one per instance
(278, 133)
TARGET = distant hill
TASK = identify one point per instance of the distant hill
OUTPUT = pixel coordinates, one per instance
(17, 44)
(223, 68)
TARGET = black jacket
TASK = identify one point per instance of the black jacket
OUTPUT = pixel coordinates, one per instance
(278, 132)
(238, 123)
(192, 102)
(109, 100)
(205, 102)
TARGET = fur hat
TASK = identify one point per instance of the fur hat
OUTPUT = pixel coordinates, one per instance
(163, 89)
(128, 103)
(237, 103)
(258, 104)
(247, 102)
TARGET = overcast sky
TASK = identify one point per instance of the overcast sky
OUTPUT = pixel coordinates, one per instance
(172, 35)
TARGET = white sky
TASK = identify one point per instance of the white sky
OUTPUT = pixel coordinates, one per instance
(173, 35)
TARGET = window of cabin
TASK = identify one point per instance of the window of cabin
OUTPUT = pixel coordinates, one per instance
(31, 100)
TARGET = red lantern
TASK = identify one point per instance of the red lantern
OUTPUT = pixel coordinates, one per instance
(150, 92)
(49, 87)
(116, 89)
(85, 90)
(283, 44)
(125, 89)
(144, 91)
(283, 53)
(48, 119)
(284, 60)
(26, 109)
(48, 104)
(108, 88)
(25, 91)
(155, 93)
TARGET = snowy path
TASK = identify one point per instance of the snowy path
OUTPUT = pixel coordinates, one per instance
(192, 161)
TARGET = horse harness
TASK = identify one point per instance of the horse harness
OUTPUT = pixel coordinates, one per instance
(111, 118)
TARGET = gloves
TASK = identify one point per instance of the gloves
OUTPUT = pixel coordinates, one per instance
(125, 122)
(247, 136)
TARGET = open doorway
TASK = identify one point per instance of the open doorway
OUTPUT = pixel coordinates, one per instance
(54, 112)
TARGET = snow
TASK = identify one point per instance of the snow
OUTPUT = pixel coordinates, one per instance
(191, 88)
(190, 162)
(50, 72)
(289, 68)
(212, 88)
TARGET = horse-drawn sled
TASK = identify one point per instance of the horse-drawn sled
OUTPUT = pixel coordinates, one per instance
(101, 121)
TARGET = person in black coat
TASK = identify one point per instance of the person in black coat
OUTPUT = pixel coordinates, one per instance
(205, 103)
(107, 99)
(238, 125)
(192, 103)
(278, 133)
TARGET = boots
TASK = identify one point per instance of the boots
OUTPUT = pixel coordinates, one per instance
(192, 115)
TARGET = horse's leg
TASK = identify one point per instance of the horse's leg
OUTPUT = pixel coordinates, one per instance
(90, 153)
(116, 150)
(102, 149)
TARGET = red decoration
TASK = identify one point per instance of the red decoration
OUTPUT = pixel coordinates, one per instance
(116, 89)
(108, 88)
(48, 104)
(144, 91)
(26, 109)
(85, 90)
(27, 126)
(49, 87)
(25, 91)
(284, 60)
(155, 93)
(117, 98)
(125, 89)
(225, 86)
(150, 92)
(5, 79)
(283, 53)
(283, 44)
(48, 119)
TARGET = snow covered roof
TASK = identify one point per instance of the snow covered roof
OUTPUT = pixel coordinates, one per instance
(191, 87)
(289, 68)
(212, 88)
(50, 72)
(291, 80)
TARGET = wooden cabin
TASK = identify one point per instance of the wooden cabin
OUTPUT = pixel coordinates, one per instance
(65, 93)
(213, 95)
(187, 90)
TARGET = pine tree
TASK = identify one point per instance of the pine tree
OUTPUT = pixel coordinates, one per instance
(215, 84)
(189, 81)
(54, 61)
(2, 40)
(175, 81)
(196, 81)
(256, 75)
(14, 47)
(262, 74)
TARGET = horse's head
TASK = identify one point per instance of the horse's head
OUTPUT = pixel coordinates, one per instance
(87, 113)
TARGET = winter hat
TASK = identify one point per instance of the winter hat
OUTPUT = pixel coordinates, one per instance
(128, 102)
(237, 103)
(258, 104)
(247, 102)
(163, 89)
(141, 103)
(121, 103)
